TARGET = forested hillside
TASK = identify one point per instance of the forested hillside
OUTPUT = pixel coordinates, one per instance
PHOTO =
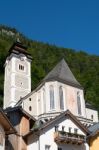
(84, 66)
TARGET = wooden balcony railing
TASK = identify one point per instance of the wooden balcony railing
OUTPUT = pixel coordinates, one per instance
(66, 137)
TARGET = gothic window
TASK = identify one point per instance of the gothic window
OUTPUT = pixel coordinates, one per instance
(52, 103)
(61, 98)
(44, 100)
(79, 103)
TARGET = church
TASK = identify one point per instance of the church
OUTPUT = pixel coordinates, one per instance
(54, 116)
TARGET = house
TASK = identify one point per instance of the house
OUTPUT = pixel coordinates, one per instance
(22, 123)
(54, 115)
(6, 128)
(94, 137)
(62, 132)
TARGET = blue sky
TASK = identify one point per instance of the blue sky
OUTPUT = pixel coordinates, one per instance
(66, 23)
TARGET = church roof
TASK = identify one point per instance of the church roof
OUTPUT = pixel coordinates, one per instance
(18, 48)
(62, 73)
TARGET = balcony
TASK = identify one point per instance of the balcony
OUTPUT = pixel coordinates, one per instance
(66, 137)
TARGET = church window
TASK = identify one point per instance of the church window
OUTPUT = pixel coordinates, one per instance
(52, 103)
(29, 99)
(79, 103)
(44, 100)
(61, 98)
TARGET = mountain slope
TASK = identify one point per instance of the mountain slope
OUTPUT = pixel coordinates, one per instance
(84, 66)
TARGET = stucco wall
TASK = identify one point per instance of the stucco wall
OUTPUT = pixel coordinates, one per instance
(90, 113)
(42, 103)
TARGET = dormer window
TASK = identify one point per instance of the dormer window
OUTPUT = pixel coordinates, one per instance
(52, 103)
(61, 98)
(79, 103)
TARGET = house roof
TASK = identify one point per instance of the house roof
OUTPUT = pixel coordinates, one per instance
(21, 111)
(6, 124)
(62, 73)
(94, 129)
(66, 113)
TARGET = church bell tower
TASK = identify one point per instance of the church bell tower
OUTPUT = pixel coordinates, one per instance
(17, 82)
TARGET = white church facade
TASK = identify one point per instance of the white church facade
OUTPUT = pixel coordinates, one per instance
(57, 104)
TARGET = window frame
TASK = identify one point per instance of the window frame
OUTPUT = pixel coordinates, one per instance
(52, 97)
(61, 98)
(79, 103)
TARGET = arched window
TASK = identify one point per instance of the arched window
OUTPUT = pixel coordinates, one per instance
(61, 98)
(52, 103)
(44, 100)
(79, 103)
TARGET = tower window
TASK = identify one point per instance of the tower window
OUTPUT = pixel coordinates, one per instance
(79, 103)
(52, 103)
(21, 67)
(61, 98)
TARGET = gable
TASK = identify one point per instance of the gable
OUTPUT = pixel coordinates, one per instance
(67, 123)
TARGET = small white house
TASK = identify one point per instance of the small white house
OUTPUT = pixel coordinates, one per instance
(61, 133)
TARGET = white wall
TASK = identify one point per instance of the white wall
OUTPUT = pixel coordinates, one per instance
(69, 95)
(90, 113)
